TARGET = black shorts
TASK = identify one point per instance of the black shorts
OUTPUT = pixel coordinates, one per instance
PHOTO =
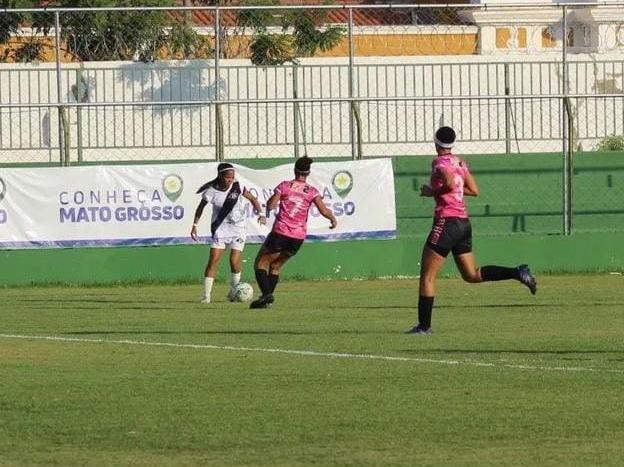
(450, 234)
(278, 243)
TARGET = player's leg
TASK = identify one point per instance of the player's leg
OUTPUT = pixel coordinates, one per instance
(274, 271)
(288, 248)
(267, 253)
(465, 260)
(236, 248)
(439, 243)
(216, 250)
(470, 273)
(467, 267)
(430, 265)
(520, 273)
(261, 268)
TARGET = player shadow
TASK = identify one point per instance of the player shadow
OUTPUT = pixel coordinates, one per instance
(197, 333)
(86, 300)
(501, 305)
(519, 352)
(524, 305)
(415, 306)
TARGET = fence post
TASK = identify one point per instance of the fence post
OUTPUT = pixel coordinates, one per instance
(567, 208)
(507, 111)
(295, 85)
(355, 131)
(219, 144)
(62, 118)
(570, 165)
(80, 97)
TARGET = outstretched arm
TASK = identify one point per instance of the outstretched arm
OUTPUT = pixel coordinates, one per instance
(198, 213)
(326, 213)
(256, 204)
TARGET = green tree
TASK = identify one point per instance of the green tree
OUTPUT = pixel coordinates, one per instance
(13, 26)
(104, 35)
(303, 32)
(124, 35)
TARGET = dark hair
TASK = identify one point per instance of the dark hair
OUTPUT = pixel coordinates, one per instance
(302, 165)
(445, 137)
(221, 168)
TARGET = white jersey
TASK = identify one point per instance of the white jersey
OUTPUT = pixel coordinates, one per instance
(234, 224)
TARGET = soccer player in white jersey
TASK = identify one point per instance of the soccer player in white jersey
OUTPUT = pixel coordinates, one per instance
(228, 224)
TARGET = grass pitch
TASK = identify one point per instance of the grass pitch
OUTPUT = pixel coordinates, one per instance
(146, 375)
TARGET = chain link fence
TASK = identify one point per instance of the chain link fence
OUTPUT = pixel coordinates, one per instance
(100, 85)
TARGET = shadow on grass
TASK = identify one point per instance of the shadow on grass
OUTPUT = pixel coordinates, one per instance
(518, 351)
(197, 333)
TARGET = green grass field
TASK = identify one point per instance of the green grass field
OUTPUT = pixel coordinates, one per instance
(146, 375)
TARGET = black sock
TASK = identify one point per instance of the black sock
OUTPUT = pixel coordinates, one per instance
(273, 280)
(425, 309)
(498, 273)
(262, 278)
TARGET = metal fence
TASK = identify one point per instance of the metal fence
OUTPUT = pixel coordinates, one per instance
(131, 84)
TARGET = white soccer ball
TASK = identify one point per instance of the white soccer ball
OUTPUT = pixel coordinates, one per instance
(243, 292)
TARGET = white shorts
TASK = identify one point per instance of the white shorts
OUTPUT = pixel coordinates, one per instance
(234, 243)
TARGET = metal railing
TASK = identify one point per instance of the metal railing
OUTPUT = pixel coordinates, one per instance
(397, 72)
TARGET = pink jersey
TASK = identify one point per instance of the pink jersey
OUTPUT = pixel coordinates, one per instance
(449, 204)
(295, 200)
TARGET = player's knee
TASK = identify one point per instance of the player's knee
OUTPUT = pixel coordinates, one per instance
(275, 267)
(471, 277)
(261, 262)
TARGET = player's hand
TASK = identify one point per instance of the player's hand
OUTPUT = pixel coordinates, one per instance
(262, 220)
(333, 224)
(194, 233)
(425, 190)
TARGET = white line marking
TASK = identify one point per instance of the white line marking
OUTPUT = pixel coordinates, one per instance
(311, 353)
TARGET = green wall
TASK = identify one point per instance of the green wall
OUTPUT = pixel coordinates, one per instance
(517, 218)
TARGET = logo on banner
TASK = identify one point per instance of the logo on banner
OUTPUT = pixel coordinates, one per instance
(172, 186)
(342, 182)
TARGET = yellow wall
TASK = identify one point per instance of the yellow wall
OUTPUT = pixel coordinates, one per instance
(407, 44)
(548, 41)
(503, 35)
(364, 46)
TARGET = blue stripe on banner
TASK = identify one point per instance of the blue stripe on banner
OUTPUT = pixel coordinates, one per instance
(155, 241)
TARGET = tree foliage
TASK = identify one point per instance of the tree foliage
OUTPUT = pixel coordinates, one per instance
(106, 35)
(25, 48)
(303, 32)
(278, 36)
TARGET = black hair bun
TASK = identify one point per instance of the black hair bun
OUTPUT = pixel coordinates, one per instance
(303, 164)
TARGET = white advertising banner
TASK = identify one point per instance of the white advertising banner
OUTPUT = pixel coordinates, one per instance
(155, 204)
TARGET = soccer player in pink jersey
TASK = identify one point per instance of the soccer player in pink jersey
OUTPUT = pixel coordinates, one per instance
(294, 198)
(451, 232)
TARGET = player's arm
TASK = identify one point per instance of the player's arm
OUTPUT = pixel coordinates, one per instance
(256, 205)
(273, 202)
(470, 185)
(447, 185)
(198, 213)
(326, 213)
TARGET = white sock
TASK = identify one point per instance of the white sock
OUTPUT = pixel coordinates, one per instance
(235, 279)
(208, 286)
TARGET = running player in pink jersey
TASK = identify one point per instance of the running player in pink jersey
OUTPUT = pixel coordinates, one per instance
(451, 232)
(294, 198)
